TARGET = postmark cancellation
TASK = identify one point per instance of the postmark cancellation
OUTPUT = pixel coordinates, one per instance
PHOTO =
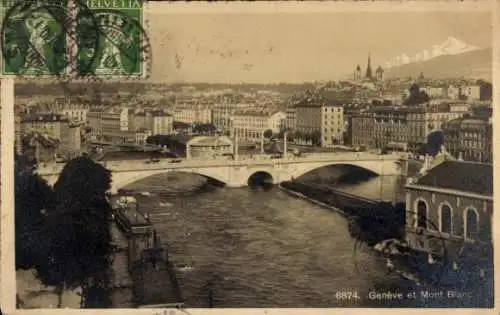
(76, 38)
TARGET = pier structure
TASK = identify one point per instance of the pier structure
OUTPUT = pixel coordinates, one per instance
(152, 272)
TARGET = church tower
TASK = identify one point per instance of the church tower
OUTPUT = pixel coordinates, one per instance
(369, 68)
(357, 73)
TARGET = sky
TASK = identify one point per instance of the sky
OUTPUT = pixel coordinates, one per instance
(294, 46)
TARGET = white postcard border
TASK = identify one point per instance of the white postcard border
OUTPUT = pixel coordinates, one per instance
(7, 273)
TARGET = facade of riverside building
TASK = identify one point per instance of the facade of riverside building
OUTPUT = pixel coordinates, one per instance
(451, 206)
(470, 138)
(401, 127)
(251, 125)
(325, 117)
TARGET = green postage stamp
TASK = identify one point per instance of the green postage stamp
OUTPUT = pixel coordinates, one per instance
(74, 38)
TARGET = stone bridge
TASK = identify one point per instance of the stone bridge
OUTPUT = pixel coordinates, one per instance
(236, 173)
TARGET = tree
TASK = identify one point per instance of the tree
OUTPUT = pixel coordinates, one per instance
(281, 133)
(298, 135)
(268, 133)
(180, 125)
(204, 128)
(434, 142)
(416, 96)
(80, 248)
(32, 196)
(316, 137)
(158, 140)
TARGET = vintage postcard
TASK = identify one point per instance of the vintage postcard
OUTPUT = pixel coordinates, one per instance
(179, 157)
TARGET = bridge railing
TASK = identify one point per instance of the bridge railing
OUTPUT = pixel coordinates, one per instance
(242, 160)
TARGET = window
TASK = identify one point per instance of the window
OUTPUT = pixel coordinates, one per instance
(422, 214)
(471, 223)
(445, 219)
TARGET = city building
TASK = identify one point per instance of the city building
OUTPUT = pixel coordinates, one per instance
(159, 122)
(141, 120)
(403, 128)
(249, 125)
(450, 207)
(194, 115)
(141, 135)
(50, 133)
(131, 120)
(222, 111)
(209, 147)
(114, 122)
(53, 125)
(277, 121)
(369, 74)
(291, 118)
(453, 92)
(76, 113)
(469, 138)
(435, 92)
(327, 119)
(471, 92)
(70, 142)
(221, 116)
(94, 122)
(349, 112)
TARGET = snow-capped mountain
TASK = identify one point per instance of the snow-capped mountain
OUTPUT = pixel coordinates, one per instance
(476, 64)
(451, 46)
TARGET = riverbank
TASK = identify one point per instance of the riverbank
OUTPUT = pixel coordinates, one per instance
(147, 266)
(166, 184)
(472, 281)
(370, 221)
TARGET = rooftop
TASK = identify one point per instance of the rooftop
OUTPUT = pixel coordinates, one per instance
(43, 118)
(180, 138)
(463, 176)
(159, 113)
(251, 113)
(210, 141)
(466, 122)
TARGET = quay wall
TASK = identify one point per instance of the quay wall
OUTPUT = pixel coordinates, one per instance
(370, 220)
(148, 261)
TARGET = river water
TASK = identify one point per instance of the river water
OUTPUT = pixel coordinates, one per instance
(265, 248)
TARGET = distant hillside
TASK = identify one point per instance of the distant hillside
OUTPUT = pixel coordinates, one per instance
(475, 65)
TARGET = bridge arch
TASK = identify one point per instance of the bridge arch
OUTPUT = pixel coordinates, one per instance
(260, 178)
(123, 179)
(374, 167)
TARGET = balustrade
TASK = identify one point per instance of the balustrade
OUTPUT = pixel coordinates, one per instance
(221, 161)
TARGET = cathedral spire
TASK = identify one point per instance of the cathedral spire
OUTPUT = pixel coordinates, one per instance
(369, 67)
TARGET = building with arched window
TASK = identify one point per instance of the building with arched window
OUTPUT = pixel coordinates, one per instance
(450, 206)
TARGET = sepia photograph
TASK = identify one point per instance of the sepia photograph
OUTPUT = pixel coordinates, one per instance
(256, 156)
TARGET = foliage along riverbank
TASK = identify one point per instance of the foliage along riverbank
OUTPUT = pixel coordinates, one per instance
(62, 233)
